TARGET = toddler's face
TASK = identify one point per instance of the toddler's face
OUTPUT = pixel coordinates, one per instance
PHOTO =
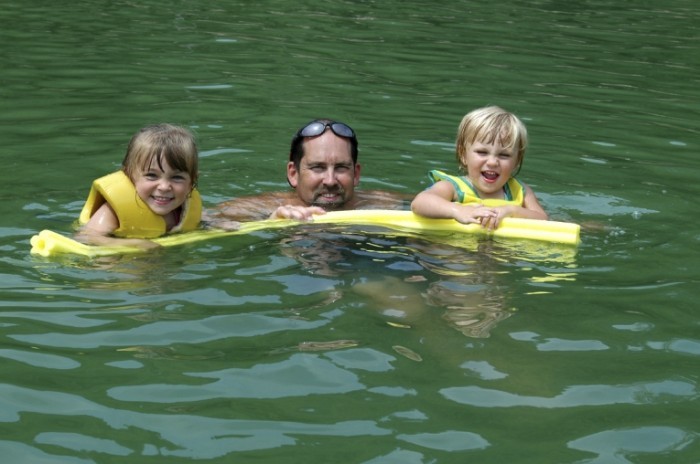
(489, 166)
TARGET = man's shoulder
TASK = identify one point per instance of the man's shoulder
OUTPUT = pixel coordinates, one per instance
(255, 207)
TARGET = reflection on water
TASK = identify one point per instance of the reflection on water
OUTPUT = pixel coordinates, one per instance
(464, 285)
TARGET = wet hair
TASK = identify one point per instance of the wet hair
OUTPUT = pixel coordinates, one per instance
(296, 151)
(488, 125)
(163, 142)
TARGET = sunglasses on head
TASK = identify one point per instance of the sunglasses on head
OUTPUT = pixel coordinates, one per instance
(316, 128)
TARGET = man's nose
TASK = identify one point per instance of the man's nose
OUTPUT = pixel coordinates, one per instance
(329, 177)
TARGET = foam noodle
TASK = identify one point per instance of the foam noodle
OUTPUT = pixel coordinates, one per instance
(48, 243)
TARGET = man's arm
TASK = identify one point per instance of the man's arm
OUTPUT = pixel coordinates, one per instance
(271, 205)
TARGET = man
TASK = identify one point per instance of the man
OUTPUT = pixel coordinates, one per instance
(323, 171)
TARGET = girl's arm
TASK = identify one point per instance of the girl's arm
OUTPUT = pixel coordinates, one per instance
(439, 202)
(101, 225)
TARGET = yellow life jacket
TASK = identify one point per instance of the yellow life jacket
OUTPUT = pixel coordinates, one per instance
(136, 220)
(513, 190)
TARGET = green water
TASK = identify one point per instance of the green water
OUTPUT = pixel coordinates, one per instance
(281, 346)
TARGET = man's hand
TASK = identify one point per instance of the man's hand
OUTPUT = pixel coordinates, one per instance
(299, 213)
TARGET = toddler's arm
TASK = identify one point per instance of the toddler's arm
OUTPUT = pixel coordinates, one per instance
(531, 209)
(438, 202)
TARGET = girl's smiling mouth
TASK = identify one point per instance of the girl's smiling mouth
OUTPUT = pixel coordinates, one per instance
(161, 200)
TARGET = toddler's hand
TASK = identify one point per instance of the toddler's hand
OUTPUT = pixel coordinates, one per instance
(493, 222)
(477, 214)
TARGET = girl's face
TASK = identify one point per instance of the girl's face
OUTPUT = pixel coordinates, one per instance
(489, 166)
(163, 190)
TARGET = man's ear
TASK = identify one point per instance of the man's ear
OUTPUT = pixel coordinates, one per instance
(292, 174)
(357, 174)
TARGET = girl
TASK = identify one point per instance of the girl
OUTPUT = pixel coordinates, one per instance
(154, 193)
(490, 148)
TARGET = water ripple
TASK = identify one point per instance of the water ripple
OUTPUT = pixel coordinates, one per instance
(165, 333)
(578, 395)
(558, 344)
(179, 435)
(49, 361)
(615, 446)
(684, 346)
(447, 441)
(300, 375)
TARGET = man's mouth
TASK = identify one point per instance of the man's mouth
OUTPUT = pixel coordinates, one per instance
(326, 198)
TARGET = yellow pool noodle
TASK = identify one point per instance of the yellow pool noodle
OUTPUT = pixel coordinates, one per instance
(48, 243)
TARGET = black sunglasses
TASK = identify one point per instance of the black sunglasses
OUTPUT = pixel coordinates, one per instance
(316, 128)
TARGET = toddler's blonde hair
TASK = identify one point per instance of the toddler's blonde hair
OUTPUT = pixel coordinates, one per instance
(488, 125)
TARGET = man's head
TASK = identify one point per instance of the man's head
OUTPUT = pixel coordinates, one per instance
(323, 164)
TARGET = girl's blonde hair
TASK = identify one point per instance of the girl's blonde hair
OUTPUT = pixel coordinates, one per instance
(163, 142)
(487, 125)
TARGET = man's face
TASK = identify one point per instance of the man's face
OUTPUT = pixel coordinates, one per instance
(326, 176)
